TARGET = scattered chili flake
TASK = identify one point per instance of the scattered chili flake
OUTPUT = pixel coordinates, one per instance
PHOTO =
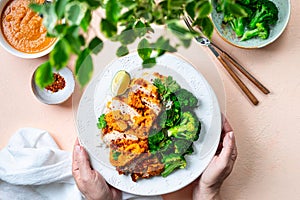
(58, 84)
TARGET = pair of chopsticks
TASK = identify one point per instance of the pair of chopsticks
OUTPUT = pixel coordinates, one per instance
(225, 56)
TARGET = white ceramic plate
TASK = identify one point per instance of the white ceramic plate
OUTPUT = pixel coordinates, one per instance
(98, 93)
(225, 31)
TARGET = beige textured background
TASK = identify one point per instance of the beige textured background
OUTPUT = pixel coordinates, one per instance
(268, 136)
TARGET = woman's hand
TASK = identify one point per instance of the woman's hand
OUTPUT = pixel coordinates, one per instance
(91, 184)
(209, 184)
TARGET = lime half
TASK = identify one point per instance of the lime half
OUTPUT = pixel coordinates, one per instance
(120, 83)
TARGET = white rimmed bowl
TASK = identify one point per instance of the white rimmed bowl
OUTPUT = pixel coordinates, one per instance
(48, 97)
(227, 34)
(14, 51)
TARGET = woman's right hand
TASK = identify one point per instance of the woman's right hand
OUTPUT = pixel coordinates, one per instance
(209, 184)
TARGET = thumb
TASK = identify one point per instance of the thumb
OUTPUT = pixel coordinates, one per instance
(228, 147)
(81, 160)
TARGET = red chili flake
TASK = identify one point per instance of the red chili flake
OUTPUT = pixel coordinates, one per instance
(58, 84)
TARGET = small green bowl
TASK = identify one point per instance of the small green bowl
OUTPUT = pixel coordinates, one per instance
(225, 31)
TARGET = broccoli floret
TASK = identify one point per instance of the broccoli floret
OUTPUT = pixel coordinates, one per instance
(262, 31)
(188, 128)
(238, 23)
(172, 162)
(190, 150)
(154, 138)
(101, 122)
(238, 26)
(266, 12)
(186, 98)
(183, 147)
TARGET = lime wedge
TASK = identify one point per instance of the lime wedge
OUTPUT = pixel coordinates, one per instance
(120, 83)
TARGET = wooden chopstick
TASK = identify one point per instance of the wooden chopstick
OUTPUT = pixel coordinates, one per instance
(249, 76)
(240, 83)
(235, 77)
(238, 66)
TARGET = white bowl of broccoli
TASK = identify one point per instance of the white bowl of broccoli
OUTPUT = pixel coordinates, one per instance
(262, 22)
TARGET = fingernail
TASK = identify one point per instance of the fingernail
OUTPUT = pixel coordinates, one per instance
(230, 134)
(78, 148)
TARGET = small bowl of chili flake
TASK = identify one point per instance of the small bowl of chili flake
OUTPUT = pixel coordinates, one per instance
(57, 92)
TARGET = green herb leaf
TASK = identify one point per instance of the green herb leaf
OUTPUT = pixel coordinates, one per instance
(101, 122)
(122, 51)
(82, 40)
(107, 28)
(85, 22)
(74, 43)
(93, 4)
(115, 154)
(75, 12)
(204, 9)
(60, 55)
(190, 9)
(73, 30)
(148, 63)
(144, 49)
(84, 67)
(183, 34)
(207, 26)
(96, 45)
(235, 9)
(112, 11)
(163, 45)
(126, 16)
(60, 8)
(140, 29)
(60, 29)
(128, 3)
(178, 29)
(38, 8)
(127, 37)
(44, 75)
(49, 17)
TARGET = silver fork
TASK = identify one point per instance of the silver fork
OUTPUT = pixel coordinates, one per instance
(206, 42)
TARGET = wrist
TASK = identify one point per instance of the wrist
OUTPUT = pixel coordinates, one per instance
(203, 192)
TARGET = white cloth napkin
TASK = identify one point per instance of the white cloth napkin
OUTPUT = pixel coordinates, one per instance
(33, 167)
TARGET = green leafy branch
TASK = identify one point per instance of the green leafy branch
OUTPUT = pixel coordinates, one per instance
(125, 21)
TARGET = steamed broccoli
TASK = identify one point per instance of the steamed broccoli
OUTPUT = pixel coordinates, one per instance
(154, 138)
(266, 12)
(189, 127)
(262, 31)
(172, 162)
(183, 147)
(186, 98)
(238, 23)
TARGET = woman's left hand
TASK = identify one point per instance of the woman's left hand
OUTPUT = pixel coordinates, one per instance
(89, 181)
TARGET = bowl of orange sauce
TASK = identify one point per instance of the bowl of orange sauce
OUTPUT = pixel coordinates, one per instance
(22, 32)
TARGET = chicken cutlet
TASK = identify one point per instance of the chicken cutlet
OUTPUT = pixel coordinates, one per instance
(129, 118)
